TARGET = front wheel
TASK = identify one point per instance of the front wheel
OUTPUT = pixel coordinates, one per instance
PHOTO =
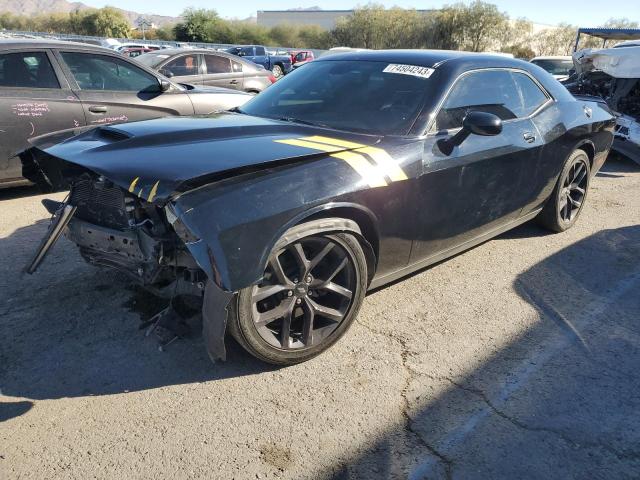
(310, 294)
(565, 204)
(277, 71)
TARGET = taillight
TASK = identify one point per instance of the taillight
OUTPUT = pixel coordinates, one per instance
(272, 79)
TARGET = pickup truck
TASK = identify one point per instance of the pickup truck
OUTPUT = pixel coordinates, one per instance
(278, 64)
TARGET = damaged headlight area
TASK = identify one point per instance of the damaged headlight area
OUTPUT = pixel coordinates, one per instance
(116, 229)
(179, 227)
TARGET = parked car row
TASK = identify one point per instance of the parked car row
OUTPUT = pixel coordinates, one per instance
(209, 67)
(47, 86)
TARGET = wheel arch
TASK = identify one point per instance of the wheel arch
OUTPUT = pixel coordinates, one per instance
(587, 147)
(366, 232)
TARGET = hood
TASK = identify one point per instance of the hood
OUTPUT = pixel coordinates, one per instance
(175, 154)
(617, 62)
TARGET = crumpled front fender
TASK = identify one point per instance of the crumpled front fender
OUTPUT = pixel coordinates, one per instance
(235, 223)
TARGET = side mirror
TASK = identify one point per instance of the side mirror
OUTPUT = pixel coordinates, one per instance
(479, 123)
(164, 85)
(166, 72)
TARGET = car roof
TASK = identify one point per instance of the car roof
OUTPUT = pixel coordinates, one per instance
(426, 58)
(47, 43)
(177, 51)
(552, 57)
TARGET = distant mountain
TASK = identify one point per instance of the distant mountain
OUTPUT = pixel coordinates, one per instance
(33, 7)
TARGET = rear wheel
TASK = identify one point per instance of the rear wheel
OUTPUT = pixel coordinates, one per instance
(565, 204)
(310, 294)
(277, 71)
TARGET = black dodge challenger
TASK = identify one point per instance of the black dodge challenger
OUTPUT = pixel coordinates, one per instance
(350, 173)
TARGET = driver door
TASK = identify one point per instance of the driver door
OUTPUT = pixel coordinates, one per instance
(481, 185)
(114, 90)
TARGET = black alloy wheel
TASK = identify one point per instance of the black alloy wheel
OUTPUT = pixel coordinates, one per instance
(569, 195)
(574, 189)
(310, 293)
(305, 295)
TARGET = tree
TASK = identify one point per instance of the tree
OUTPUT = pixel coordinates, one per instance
(556, 41)
(109, 22)
(197, 25)
(620, 23)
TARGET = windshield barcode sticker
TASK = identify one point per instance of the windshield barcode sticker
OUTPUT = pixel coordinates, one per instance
(423, 72)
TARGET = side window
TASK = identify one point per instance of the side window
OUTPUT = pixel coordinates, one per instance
(184, 65)
(247, 51)
(260, 51)
(27, 70)
(300, 57)
(237, 66)
(216, 64)
(531, 97)
(491, 91)
(101, 72)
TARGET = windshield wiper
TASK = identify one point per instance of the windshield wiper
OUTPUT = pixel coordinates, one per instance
(304, 122)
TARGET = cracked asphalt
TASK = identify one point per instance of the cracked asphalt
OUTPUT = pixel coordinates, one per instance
(517, 359)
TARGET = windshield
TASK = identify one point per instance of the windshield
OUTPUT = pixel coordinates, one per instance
(347, 95)
(555, 66)
(151, 59)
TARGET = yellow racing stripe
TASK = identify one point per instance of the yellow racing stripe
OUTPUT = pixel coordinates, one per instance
(384, 160)
(388, 165)
(360, 164)
(333, 141)
(315, 146)
(368, 172)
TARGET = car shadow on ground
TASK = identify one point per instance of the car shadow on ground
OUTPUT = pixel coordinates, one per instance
(74, 330)
(18, 192)
(559, 401)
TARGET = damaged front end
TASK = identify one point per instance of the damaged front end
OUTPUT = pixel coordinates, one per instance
(613, 75)
(113, 227)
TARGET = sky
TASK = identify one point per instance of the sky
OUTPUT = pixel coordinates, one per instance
(585, 13)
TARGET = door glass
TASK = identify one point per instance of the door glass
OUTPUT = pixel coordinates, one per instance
(247, 51)
(27, 70)
(260, 51)
(100, 72)
(186, 65)
(216, 64)
(300, 57)
(491, 91)
(531, 96)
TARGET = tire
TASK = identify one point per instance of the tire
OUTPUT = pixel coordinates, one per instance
(277, 71)
(569, 195)
(319, 300)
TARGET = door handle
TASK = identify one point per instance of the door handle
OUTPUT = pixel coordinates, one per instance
(233, 82)
(98, 109)
(529, 137)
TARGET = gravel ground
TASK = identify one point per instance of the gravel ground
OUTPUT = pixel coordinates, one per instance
(517, 359)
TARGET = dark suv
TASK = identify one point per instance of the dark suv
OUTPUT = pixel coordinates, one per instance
(46, 86)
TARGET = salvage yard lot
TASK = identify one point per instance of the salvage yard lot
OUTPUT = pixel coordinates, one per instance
(517, 359)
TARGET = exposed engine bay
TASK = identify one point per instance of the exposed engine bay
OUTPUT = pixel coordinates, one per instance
(613, 75)
(114, 228)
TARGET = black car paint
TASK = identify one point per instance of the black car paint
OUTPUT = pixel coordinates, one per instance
(31, 112)
(236, 187)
